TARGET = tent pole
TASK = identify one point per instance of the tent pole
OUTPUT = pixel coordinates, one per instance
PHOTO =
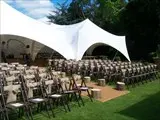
(52, 54)
(115, 55)
(32, 48)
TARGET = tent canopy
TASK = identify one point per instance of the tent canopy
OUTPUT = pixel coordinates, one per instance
(71, 41)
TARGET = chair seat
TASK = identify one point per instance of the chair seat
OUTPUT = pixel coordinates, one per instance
(35, 88)
(78, 85)
(37, 100)
(69, 91)
(56, 96)
(15, 105)
(84, 88)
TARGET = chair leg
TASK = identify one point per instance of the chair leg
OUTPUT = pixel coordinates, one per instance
(146, 78)
(61, 99)
(80, 97)
(70, 98)
(57, 102)
(27, 115)
(136, 80)
(30, 112)
(19, 112)
(49, 103)
(127, 85)
(89, 95)
(47, 110)
(38, 107)
(132, 82)
(65, 101)
(6, 114)
(1, 116)
(141, 79)
(157, 76)
(77, 99)
(126, 82)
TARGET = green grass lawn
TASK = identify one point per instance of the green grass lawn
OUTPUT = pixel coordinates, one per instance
(142, 103)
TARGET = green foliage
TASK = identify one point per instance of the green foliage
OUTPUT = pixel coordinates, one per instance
(60, 16)
(156, 54)
(110, 10)
(102, 12)
(76, 11)
(141, 18)
(117, 58)
(109, 15)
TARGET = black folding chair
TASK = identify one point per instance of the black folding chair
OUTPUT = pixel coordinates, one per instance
(67, 90)
(57, 95)
(82, 87)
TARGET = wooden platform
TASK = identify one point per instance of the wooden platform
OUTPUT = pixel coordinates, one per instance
(107, 92)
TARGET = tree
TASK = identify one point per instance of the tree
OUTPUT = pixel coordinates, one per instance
(109, 13)
(141, 18)
(60, 16)
(76, 11)
(104, 13)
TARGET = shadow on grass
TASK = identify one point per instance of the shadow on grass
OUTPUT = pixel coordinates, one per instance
(147, 109)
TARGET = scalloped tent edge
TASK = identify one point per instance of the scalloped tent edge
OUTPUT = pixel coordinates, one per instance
(71, 41)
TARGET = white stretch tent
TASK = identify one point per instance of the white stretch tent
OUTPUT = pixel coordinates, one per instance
(71, 41)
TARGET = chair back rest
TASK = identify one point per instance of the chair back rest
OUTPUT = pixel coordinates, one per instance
(30, 72)
(12, 92)
(14, 72)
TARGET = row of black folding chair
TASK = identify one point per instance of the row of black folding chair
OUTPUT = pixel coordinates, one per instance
(39, 99)
(3, 108)
(139, 77)
(42, 98)
(23, 104)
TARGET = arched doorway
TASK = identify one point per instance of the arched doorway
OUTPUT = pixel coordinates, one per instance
(98, 49)
(47, 52)
(101, 50)
(15, 48)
